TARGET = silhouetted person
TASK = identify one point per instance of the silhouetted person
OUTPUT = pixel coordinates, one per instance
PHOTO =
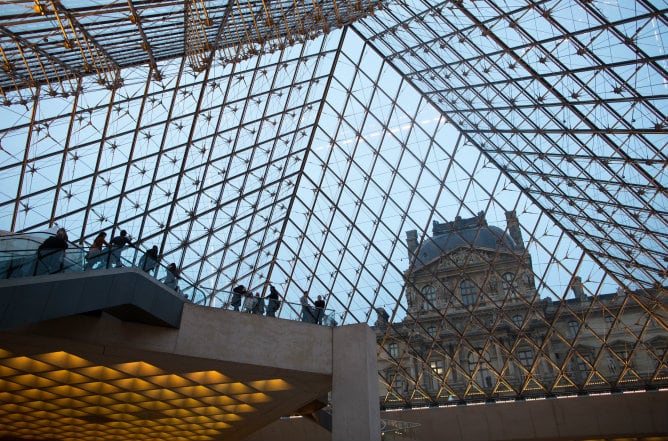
(273, 301)
(149, 260)
(51, 253)
(172, 276)
(319, 310)
(308, 315)
(117, 244)
(249, 302)
(258, 305)
(238, 293)
(95, 253)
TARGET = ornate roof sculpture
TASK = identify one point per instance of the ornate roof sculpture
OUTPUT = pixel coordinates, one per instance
(295, 142)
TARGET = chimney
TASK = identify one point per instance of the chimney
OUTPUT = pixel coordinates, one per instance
(412, 243)
(514, 228)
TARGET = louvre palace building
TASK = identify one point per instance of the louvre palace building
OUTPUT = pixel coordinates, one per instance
(478, 327)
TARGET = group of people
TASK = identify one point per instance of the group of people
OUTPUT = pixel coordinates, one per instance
(102, 254)
(109, 257)
(244, 299)
(148, 262)
(313, 313)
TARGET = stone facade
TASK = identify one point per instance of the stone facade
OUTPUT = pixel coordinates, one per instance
(476, 327)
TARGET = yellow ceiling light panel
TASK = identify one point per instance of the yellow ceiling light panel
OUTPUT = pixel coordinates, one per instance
(226, 417)
(188, 434)
(257, 397)
(239, 408)
(43, 416)
(170, 380)
(102, 373)
(273, 385)
(97, 410)
(9, 386)
(68, 391)
(120, 425)
(125, 408)
(69, 402)
(232, 388)
(5, 353)
(206, 410)
(185, 402)
(73, 413)
(196, 391)
(37, 394)
(217, 425)
(178, 413)
(154, 405)
(99, 387)
(198, 419)
(72, 423)
(219, 400)
(7, 397)
(162, 394)
(65, 377)
(189, 427)
(98, 400)
(31, 380)
(208, 377)
(169, 422)
(27, 364)
(44, 406)
(140, 430)
(129, 397)
(6, 371)
(139, 369)
(64, 360)
(132, 384)
(207, 432)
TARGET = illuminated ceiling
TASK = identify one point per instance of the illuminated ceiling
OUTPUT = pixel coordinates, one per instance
(297, 142)
(60, 395)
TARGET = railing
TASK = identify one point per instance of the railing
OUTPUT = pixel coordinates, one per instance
(19, 258)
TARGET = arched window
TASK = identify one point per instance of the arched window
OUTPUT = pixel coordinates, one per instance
(469, 292)
(509, 286)
(428, 297)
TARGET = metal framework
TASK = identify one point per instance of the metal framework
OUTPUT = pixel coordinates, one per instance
(296, 142)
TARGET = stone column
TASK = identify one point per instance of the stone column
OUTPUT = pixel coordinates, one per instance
(355, 402)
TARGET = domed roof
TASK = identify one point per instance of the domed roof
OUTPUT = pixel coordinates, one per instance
(473, 232)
